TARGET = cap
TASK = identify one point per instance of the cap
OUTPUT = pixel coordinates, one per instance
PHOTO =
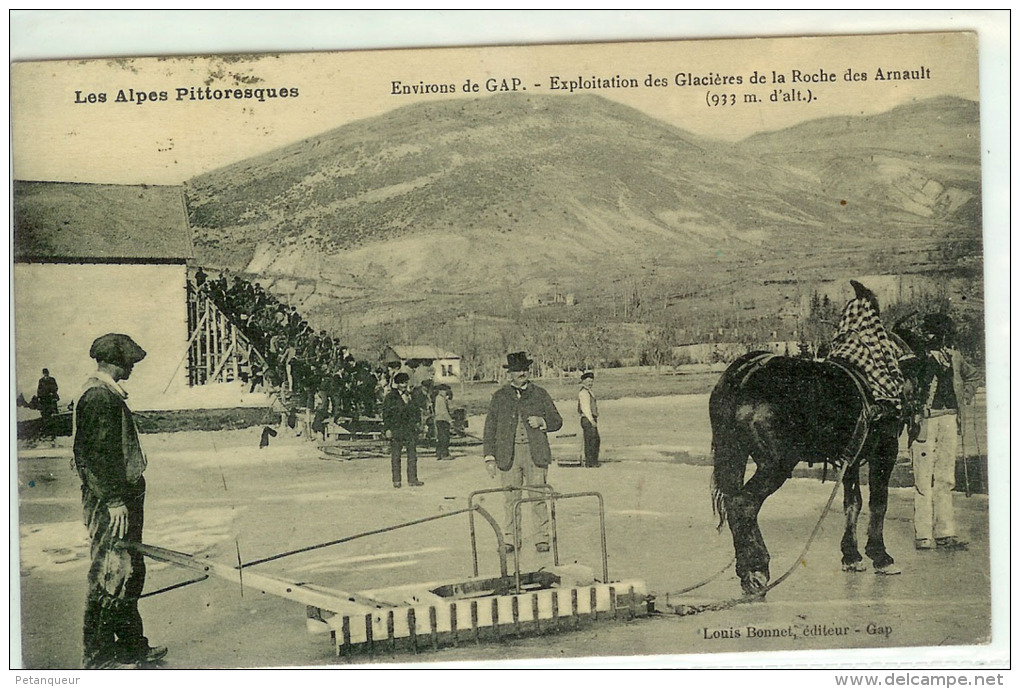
(118, 349)
(938, 324)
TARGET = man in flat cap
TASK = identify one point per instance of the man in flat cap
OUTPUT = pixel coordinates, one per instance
(514, 442)
(588, 408)
(110, 462)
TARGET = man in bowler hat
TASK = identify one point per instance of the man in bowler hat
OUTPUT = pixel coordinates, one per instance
(109, 460)
(515, 443)
(401, 415)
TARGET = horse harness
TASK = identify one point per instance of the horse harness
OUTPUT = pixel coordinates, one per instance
(851, 453)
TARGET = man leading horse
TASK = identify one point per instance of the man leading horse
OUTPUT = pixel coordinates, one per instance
(780, 411)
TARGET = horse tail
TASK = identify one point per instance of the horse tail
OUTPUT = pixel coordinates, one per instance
(729, 454)
(727, 480)
(718, 499)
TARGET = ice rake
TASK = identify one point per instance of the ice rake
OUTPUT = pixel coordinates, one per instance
(531, 602)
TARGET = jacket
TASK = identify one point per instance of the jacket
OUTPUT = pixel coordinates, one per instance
(107, 454)
(401, 418)
(950, 380)
(505, 409)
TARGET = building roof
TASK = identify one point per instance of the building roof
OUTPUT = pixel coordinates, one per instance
(100, 223)
(406, 352)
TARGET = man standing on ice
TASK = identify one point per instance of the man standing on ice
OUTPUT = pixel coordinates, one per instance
(514, 441)
(109, 460)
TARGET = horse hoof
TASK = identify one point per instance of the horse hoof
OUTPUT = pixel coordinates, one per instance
(858, 566)
(754, 583)
(889, 569)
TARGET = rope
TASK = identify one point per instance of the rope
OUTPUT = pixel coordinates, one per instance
(750, 598)
(351, 538)
(173, 587)
(848, 459)
(701, 583)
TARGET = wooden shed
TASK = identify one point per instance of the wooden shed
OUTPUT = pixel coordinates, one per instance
(438, 364)
(96, 258)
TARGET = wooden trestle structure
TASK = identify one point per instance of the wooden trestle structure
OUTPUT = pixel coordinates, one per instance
(218, 352)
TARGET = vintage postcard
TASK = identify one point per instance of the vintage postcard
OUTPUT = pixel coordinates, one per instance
(671, 350)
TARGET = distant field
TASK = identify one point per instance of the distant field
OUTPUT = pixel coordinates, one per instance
(609, 385)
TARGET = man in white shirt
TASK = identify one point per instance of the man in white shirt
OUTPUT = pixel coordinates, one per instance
(951, 382)
(443, 421)
(516, 445)
(588, 408)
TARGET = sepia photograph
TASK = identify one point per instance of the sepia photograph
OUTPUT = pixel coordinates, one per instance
(670, 349)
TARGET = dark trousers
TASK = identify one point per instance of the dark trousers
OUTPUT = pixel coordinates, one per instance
(396, 445)
(112, 628)
(592, 442)
(47, 425)
(442, 439)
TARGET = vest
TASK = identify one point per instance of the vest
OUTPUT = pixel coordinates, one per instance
(592, 401)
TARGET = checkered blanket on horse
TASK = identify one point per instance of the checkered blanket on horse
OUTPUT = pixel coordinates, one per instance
(861, 340)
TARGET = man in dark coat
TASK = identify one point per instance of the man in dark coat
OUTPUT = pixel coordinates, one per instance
(47, 398)
(401, 415)
(109, 460)
(514, 442)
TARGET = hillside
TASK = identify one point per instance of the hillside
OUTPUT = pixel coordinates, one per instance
(447, 179)
(433, 211)
(916, 164)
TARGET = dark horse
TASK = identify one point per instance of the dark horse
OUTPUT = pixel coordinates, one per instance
(779, 411)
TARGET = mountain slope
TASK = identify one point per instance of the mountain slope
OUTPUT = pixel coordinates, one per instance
(586, 171)
(469, 205)
(915, 164)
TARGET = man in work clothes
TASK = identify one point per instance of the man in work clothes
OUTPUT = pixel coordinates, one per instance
(401, 415)
(588, 408)
(514, 442)
(443, 421)
(109, 460)
(949, 381)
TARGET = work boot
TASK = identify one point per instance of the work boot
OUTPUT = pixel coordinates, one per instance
(146, 655)
(950, 543)
(415, 484)
(110, 664)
